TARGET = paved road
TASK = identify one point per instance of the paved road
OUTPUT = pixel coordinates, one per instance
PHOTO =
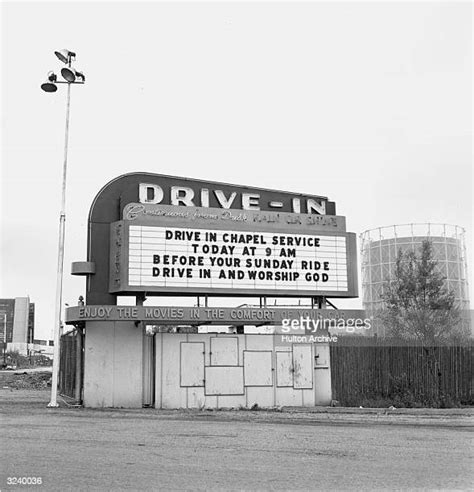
(83, 449)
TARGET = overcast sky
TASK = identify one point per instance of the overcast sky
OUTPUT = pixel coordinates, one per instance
(369, 104)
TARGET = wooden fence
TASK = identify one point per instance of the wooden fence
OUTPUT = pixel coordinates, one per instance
(378, 374)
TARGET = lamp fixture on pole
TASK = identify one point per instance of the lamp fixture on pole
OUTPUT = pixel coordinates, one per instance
(71, 76)
(65, 56)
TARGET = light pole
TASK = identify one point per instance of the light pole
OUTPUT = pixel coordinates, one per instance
(71, 76)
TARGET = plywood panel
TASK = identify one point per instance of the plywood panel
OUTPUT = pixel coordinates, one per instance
(224, 380)
(258, 368)
(302, 366)
(259, 342)
(205, 339)
(196, 397)
(231, 401)
(322, 352)
(281, 346)
(224, 351)
(289, 397)
(210, 401)
(284, 369)
(263, 397)
(173, 396)
(308, 397)
(240, 349)
(192, 364)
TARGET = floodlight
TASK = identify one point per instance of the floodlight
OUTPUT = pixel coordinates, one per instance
(65, 55)
(49, 85)
(70, 74)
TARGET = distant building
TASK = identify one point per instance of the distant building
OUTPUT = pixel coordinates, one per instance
(17, 318)
(17, 325)
(379, 250)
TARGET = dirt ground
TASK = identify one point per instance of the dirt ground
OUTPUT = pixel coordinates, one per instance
(38, 378)
(147, 449)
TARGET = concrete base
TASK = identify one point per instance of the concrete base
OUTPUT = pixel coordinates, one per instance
(113, 364)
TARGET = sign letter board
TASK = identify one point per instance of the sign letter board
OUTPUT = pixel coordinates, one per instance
(173, 250)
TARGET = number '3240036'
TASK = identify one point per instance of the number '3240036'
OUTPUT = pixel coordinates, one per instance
(24, 481)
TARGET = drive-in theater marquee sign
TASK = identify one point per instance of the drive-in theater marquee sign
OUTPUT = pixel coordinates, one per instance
(178, 236)
(155, 235)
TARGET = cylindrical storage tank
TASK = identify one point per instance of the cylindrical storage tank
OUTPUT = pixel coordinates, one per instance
(379, 250)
